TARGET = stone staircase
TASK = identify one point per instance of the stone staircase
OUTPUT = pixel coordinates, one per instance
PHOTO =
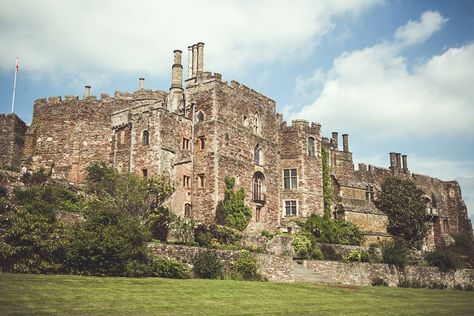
(306, 275)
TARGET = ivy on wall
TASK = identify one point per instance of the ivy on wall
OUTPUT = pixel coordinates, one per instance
(327, 185)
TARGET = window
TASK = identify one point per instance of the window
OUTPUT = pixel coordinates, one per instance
(200, 116)
(445, 226)
(258, 211)
(185, 144)
(256, 122)
(290, 208)
(369, 193)
(186, 181)
(202, 142)
(311, 151)
(246, 121)
(201, 180)
(122, 137)
(257, 155)
(257, 187)
(145, 172)
(145, 138)
(187, 210)
(289, 179)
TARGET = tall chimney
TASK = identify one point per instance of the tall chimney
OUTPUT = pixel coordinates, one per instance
(399, 161)
(190, 62)
(345, 143)
(195, 59)
(141, 83)
(335, 140)
(200, 57)
(393, 161)
(405, 163)
(177, 71)
(87, 91)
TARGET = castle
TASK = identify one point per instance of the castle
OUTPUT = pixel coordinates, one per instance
(207, 129)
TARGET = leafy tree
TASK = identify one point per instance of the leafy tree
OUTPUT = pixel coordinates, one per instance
(159, 222)
(327, 230)
(395, 252)
(403, 203)
(138, 196)
(31, 243)
(245, 267)
(207, 265)
(232, 211)
(106, 243)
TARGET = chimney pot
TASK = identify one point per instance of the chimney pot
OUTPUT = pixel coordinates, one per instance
(335, 140)
(87, 91)
(141, 83)
(399, 161)
(345, 142)
(405, 163)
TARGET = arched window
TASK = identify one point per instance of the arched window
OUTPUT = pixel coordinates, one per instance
(145, 138)
(187, 210)
(311, 151)
(256, 124)
(200, 116)
(257, 155)
(258, 187)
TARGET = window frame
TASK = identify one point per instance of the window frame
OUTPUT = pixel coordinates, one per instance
(186, 181)
(296, 206)
(311, 150)
(293, 179)
(145, 137)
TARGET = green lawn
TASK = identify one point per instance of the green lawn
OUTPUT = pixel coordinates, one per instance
(46, 294)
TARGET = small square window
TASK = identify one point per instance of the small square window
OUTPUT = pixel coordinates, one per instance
(201, 180)
(290, 179)
(145, 172)
(291, 208)
(202, 142)
(185, 144)
(186, 181)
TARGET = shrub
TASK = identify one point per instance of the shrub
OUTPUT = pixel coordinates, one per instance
(183, 230)
(395, 252)
(214, 235)
(232, 211)
(443, 258)
(326, 230)
(375, 254)
(159, 223)
(379, 282)
(207, 265)
(329, 253)
(356, 255)
(316, 253)
(267, 234)
(245, 267)
(302, 244)
(165, 267)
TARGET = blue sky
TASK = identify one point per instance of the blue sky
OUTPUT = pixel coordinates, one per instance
(395, 75)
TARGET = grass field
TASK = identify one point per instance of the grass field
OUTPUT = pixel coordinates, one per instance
(42, 294)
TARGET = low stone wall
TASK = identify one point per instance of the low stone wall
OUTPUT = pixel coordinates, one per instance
(355, 273)
(273, 268)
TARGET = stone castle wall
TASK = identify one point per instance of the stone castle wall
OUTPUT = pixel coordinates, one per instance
(12, 138)
(365, 273)
(273, 268)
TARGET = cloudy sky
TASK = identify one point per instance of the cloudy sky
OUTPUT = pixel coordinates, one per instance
(396, 75)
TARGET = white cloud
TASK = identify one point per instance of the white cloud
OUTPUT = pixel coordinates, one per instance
(417, 32)
(86, 38)
(373, 92)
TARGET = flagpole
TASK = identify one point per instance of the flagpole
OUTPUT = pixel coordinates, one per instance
(14, 86)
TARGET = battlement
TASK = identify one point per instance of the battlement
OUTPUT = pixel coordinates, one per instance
(237, 85)
(300, 124)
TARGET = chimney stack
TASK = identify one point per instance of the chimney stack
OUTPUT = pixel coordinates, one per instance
(345, 143)
(87, 91)
(177, 71)
(335, 140)
(141, 84)
(405, 163)
(200, 57)
(195, 59)
(393, 161)
(190, 62)
(399, 161)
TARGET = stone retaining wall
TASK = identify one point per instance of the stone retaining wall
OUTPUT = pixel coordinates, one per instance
(363, 273)
(273, 268)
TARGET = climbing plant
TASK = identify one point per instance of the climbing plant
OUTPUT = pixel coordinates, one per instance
(327, 185)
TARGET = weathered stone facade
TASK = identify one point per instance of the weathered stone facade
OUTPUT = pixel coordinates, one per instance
(199, 132)
(12, 138)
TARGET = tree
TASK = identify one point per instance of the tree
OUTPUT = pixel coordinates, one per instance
(403, 203)
(232, 211)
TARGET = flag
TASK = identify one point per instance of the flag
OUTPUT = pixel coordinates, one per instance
(17, 66)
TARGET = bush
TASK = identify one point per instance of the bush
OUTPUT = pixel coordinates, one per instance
(356, 255)
(183, 230)
(326, 230)
(165, 267)
(232, 211)
(245, 267)
(329, 253)
(395, 252)
(379, 282)
(445, 259)
(160, 222)
(213, 235)
(207, 265)
(302, 244)
(316, 253)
